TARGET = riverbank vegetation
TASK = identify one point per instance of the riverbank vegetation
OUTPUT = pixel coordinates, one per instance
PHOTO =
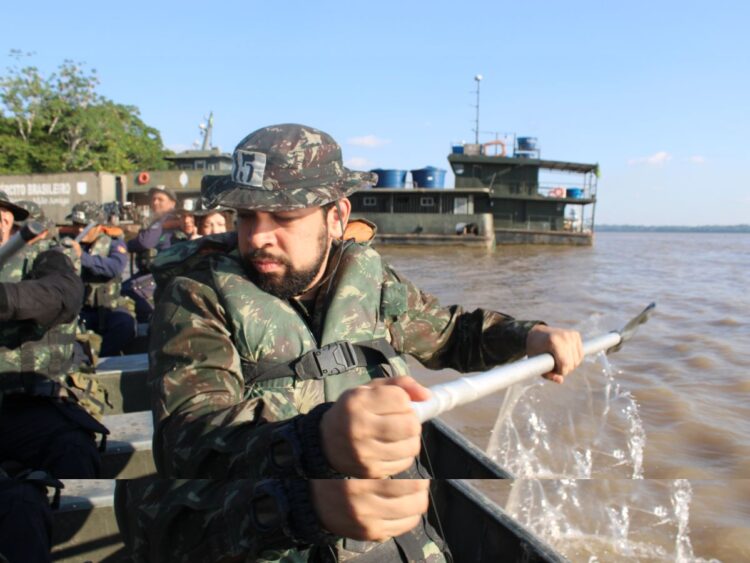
(59, 123)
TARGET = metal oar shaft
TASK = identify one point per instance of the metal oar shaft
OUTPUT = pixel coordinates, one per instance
(449, 395)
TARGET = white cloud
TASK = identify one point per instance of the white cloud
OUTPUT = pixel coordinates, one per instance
(369, 141)
(358, 162)
(698, 159)
(656, 159)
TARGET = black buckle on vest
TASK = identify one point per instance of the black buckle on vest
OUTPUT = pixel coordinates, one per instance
(331, 359)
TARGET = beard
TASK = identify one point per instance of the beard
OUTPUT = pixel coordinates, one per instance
(292, 282)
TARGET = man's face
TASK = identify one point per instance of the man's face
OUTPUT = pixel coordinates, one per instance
(187, 223)
(214, 223)
(285, 252)
(160, 203)
(6, 225)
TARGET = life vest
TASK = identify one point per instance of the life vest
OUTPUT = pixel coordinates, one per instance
(275, 343)
(101, 292)
(270, 333)
(38, 361)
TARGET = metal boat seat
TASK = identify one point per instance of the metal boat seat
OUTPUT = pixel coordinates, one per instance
(128, 451)
(85, 528)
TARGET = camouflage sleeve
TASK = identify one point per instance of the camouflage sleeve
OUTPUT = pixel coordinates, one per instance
(449, 337)
(214, 520)
(204, 426)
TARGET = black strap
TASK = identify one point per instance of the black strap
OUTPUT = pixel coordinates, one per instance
(331, 359)
(410, 547)
(36, 385)
(32, 384)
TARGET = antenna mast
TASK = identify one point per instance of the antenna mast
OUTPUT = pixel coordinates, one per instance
(206, 130)
(478, 79)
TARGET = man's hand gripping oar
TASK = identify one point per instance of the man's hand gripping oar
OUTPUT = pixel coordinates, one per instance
(447, 396)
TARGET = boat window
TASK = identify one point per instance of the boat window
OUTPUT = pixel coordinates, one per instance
(370, 201)
(200, 164)
(426, 201)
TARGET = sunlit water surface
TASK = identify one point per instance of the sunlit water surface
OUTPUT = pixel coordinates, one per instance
(642, 455)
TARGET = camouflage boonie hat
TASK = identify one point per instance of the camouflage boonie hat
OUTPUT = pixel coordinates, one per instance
(34, 209)
(86, 212)
(284, 167)
(171, 194)
(19, 213)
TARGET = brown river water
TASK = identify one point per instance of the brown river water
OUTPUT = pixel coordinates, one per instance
(644, 455)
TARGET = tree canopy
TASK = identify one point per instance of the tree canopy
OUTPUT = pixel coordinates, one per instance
(58, 123)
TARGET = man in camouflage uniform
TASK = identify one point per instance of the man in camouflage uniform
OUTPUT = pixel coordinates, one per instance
(104, 258)
(44, 433)
(158, 235)
(266, 359)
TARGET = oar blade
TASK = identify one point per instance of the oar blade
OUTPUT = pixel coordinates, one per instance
(627, 332)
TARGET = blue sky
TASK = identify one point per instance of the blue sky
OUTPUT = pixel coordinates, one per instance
(656, 92)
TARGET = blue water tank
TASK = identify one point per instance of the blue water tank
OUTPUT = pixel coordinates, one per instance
(458, 149)
(526, 143)
(390, 178)
(428, 177)
(575, 193)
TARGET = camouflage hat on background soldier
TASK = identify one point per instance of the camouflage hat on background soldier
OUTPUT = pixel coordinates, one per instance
(86, 212)
(284, 167)
(35, 211)
(19, 213)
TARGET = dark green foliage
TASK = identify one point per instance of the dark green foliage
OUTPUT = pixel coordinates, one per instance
(60, 124)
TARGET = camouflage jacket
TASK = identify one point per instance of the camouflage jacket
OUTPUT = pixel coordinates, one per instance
(210, 320)
(26, 347)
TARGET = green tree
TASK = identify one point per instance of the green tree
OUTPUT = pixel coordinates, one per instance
(60, 123)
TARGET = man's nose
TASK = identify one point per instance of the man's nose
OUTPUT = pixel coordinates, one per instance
(262, 231)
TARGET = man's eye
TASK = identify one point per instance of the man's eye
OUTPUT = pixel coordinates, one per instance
(285, 218)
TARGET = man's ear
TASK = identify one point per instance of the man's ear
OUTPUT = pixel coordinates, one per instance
(338, 217)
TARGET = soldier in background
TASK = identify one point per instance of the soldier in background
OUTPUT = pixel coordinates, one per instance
(267, 359)
(47, 429)
(214, 222)
(158, 235)
(36, 213)
(104, 257)
(188, 225)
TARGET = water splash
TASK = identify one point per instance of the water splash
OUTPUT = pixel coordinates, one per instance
(613, 520)
(589, 501)
(537, 422)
